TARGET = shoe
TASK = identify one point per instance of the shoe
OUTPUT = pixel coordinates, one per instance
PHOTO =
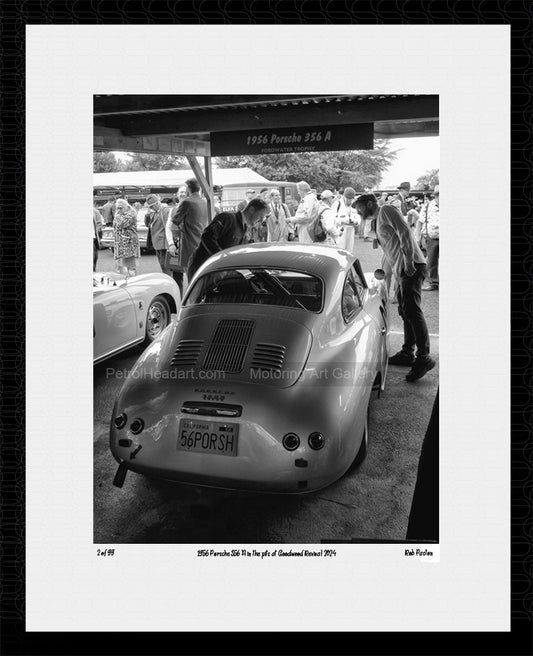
(432, 287)
(402, 359)
(420, 368)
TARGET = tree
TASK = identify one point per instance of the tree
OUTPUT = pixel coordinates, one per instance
(428, 180)
(360, 169)
(146, 162)
(104, 162)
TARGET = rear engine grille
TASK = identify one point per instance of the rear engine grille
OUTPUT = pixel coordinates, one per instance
(187, 353)
(268, 356)
(228, 348)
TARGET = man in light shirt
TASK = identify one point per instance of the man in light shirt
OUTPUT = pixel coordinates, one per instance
(329, 217)
(306, 212)
(346, 218)
(408, 264)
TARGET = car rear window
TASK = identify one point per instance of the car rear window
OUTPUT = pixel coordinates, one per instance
(258, 286)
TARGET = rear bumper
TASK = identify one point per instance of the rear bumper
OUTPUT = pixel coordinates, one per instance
(261, 464)
(267, 487)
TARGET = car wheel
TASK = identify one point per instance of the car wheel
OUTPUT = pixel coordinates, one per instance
(361, 454)
(157, 318)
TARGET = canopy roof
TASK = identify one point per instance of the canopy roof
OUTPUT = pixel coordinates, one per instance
(196, 117)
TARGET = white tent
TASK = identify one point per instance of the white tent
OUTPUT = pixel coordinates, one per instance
(221, 177)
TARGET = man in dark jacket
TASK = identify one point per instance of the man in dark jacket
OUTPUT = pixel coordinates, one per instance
(225, 230)
(156, 220)
(188, 221)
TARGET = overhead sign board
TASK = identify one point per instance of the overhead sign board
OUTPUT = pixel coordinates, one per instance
(357, 136)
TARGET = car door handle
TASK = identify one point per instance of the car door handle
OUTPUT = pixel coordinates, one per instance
(383, 330)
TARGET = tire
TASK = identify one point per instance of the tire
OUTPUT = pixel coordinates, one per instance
(363, 449)
(157, 318)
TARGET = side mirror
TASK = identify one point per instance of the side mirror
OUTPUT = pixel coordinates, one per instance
(379, 274)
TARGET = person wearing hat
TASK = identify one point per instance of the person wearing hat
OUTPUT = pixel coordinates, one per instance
(400, 200)
(427, 231)
(404, 256)
(156, 221)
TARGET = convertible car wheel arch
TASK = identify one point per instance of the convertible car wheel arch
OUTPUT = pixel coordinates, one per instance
(132, 311)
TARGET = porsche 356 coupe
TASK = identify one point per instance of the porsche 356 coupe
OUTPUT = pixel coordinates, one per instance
(263, 381)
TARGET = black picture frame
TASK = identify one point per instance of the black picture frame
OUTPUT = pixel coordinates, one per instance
(14, 18)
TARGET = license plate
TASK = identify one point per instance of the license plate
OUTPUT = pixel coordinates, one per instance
(214, 437)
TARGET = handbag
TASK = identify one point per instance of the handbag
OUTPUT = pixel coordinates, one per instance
(173, 261)
(316, 229)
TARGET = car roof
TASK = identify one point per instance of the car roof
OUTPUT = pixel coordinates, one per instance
(323, 261)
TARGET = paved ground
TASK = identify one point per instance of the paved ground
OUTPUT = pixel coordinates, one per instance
(372, 503)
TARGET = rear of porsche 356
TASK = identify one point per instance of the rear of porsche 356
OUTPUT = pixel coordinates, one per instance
(219, 401)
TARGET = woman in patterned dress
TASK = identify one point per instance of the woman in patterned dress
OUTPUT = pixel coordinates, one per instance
(126, 249)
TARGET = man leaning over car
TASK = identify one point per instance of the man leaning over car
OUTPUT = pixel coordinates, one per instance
(225, 230)
(408, 264)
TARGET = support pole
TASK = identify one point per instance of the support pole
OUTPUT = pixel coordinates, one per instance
(205, 181)
(210, 197)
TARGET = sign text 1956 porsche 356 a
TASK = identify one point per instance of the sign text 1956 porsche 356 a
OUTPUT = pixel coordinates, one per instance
(263, 381)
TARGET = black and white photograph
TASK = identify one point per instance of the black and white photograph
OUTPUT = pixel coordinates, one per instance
(280, 395)
(266, 333)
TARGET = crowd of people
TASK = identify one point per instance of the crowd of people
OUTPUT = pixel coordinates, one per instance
(404, 226)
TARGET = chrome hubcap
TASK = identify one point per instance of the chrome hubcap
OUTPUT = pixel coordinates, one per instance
(157, 319)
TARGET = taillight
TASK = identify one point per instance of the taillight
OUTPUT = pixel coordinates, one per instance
(291, 441)
(316, 441)
(120, 420)
(136, 426)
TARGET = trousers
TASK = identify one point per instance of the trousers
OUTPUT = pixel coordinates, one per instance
(415, 329)
(162, 259)
(432, 254)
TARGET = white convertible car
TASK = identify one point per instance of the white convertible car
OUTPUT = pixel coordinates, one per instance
(130, 311)
(264, 379)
